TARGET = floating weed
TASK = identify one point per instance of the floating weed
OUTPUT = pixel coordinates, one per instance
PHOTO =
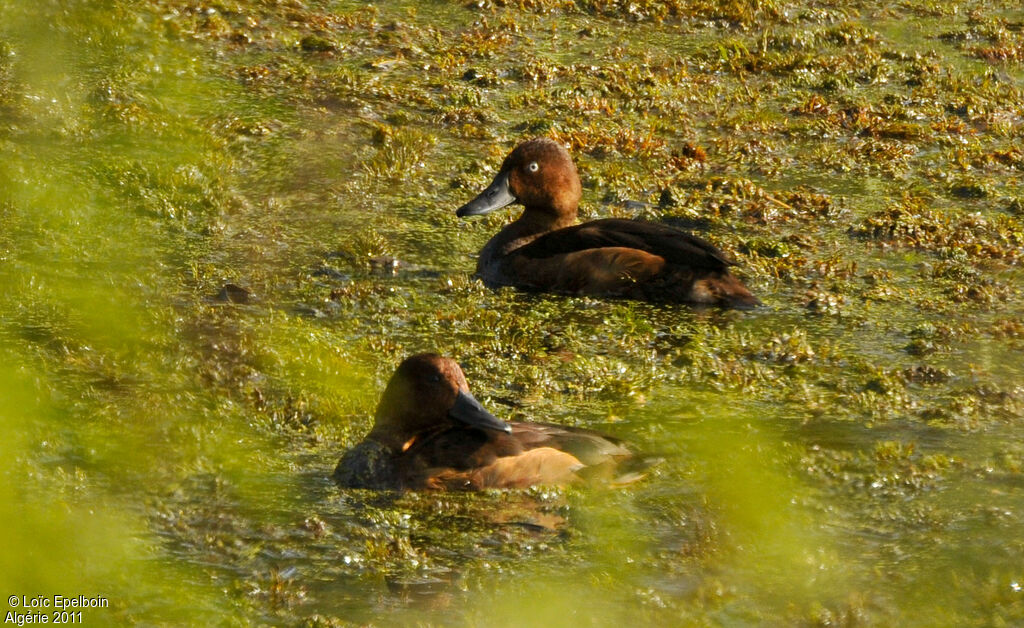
(313, 154)
(399, 150)
(362, 247)
(901, 469)
(789, 348)
(986, 292)
(1004, 41)
(912, 222)
(1008, 328)
(601, 142)
(844, 34)
(824, 302)
(187, 194)
(725, 198)
(278, 589)
(10, 89)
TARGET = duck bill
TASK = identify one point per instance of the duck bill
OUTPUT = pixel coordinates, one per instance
(496, 196)
(469, 411)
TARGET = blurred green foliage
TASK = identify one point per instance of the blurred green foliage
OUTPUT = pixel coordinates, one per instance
(223, 224)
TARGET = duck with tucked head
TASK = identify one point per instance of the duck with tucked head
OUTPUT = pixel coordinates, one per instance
(544, 250)
(429, 432)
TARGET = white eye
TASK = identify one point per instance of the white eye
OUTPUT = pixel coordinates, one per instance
(533, 167)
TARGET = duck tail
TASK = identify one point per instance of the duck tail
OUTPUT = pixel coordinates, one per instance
(722, 289)
(734, 294)
(635, 469)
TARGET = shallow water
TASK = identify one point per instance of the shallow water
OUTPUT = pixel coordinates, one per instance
(849, 454)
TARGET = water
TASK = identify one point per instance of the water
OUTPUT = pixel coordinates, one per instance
(851, 461)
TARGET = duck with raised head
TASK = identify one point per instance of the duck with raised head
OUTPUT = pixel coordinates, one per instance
(429, 432)
(544, 250)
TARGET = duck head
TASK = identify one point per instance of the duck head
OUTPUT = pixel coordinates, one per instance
(427, 393)
(539, 174)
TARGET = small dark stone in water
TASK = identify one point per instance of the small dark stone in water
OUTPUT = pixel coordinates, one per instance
(536, 126)
(419, 586)
(385, 264)
(960, 110)
(968, 190)
(312, 43)
(232, 293)
(312, 312)
(920, 346)
(330, 273)
(460, 183)
(427, 274)
(924, 374)
(507, 401)
(692, 151)
(533, 526)
(668, 198)
(823, 303)
(877, 385)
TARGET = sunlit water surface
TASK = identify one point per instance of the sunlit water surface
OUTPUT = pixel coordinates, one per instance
(845, 462)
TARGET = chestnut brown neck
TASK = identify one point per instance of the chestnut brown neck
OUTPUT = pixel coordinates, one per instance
(541, 220)
(532, 224)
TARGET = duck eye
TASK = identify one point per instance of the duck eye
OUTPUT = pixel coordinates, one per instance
(434, 378)
(533, 167)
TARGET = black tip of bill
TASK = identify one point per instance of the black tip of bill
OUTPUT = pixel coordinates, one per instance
(469, 411)
(496, 196)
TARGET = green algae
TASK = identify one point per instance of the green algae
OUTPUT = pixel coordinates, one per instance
(846, 455)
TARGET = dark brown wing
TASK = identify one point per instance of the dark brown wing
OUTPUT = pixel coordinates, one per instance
(465, 448)
(534, 453)
(588, 447)
(459, 448)
(677, 247)
(465, 458)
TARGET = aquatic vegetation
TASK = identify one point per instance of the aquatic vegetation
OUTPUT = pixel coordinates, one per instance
(222, 225)
(911, 222)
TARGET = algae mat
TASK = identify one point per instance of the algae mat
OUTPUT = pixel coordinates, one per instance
(223, 224)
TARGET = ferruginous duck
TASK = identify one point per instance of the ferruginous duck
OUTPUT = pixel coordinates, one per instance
(544, 250)
(429, 432)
